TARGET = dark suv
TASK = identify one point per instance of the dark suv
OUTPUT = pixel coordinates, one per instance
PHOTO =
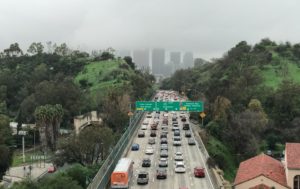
(161, 173)
(146, 162)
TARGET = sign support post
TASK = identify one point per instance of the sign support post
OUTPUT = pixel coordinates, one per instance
(202, 115)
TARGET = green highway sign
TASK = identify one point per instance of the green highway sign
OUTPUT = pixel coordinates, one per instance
(145, 105)
(168, 106)
(190, 106)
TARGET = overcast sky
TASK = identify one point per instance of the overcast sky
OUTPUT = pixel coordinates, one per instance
(207, 27)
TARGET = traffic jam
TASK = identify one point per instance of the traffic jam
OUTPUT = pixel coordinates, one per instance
(163, 147)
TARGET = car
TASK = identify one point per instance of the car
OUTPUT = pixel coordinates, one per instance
(146, 122)
(51, 169)
(179, 167)
(135, 147)
(186, 126)
(188, 134)
(149, 150)
(163, 147)
(146, 162)
(144, 127)
(176, 133)
(191, 141)
(162, 135)
(181, 114)
(153, 134)
(174, 118)
(178, 156)
(143, 177)
(148, 116)
(175, 123)
(175, 127)
(154, 126)
(176, 141)
(151, 141)
(163, 141)
(161, 173)
(141, 134)
(163, 162)
(164, 127)
(165, 121)
(183, 119)
(163, 153)
(199, 172)
(164, 132)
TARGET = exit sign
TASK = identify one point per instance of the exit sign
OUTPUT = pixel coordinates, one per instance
(191, 106)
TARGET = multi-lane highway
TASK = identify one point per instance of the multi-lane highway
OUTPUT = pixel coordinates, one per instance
(192, 156)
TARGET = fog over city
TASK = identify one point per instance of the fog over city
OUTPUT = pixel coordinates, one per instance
(205, 27)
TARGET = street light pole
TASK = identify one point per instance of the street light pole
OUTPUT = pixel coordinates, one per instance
(23, 147)
(23, 133)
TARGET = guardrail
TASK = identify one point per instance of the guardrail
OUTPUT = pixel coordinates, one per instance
(206, 156)
(102, 177)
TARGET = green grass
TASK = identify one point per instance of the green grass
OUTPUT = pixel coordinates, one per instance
(274, 74)
(220, 152)
(96, 71)
(103, 75)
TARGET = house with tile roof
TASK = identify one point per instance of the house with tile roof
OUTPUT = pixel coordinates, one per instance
(261, 170)
(292, 164)
(265, 172)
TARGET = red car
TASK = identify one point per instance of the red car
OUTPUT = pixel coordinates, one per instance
(51, 169)
(199, 172)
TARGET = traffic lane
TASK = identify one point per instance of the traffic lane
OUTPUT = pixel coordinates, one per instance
(137, 156)
(193, 157)
(174, 180)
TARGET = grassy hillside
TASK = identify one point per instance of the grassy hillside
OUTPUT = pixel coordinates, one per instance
(102, 75)
(284, 69)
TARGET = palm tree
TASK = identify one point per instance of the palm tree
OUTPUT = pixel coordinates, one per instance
(48, 119)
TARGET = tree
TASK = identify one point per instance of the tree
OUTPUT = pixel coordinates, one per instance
(36, 48)
(89, 147)
(221, 109)
(48, 120)
(62, 50)
(115, 108)
(13, 51)
(129, 61)
(5, 144)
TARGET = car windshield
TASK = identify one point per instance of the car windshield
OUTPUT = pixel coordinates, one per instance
(180, 166)
(142, 175)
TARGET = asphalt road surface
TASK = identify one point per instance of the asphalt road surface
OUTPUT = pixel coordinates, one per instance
(191, 154)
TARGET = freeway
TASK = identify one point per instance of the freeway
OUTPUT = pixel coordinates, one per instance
(192, 157)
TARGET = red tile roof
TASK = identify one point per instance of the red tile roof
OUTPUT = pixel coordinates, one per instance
(261, 186)
(292, 152)
(261, 165)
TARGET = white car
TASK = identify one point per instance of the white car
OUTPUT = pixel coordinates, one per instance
(176, 141)
(144, 127)
(178, 156)
(179, 167)
(149, 150)
(163, 162)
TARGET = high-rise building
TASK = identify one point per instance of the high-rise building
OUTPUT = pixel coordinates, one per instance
(141, 59)
(158, 61)
(175, 59)
(188, 60)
